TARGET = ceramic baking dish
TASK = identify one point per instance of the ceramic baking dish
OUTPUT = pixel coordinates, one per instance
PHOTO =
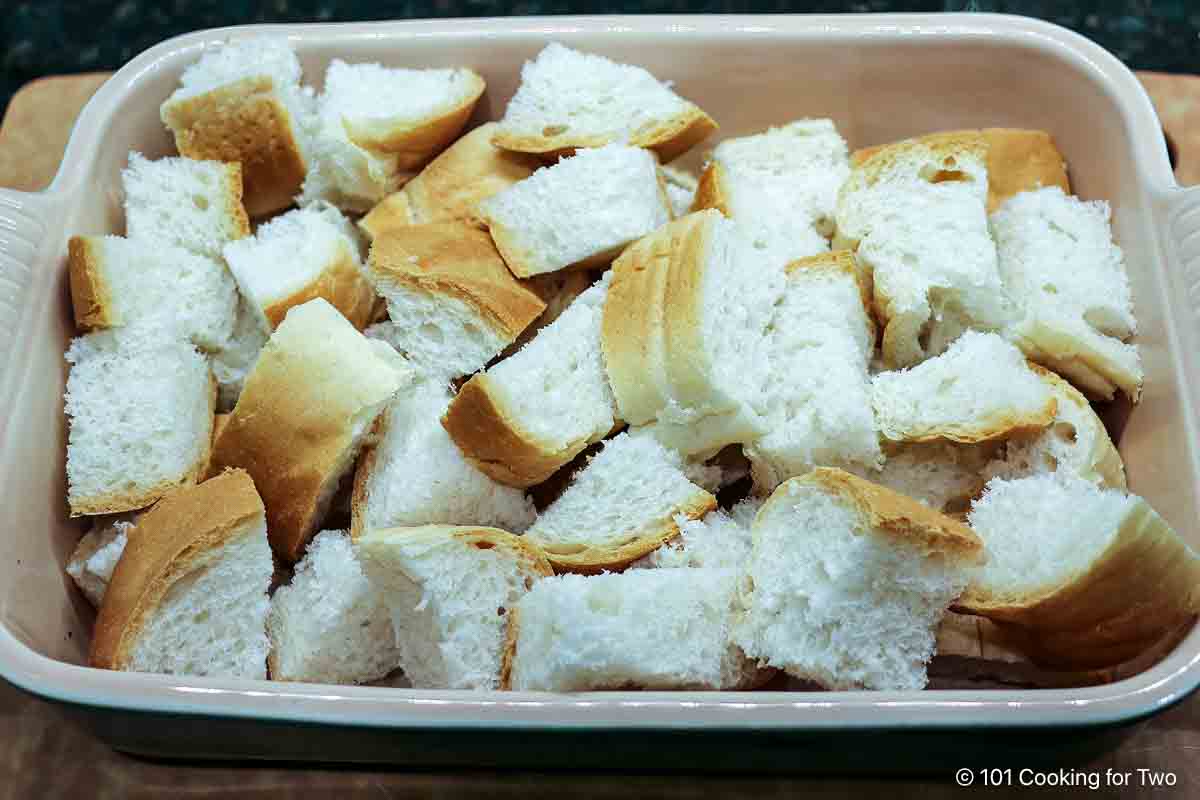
(880, 78)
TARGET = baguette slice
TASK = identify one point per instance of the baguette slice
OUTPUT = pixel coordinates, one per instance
(980, 389)
(1092, 576)
(96, 555)
(720, 539)
(646, 629)
(141, 413)
(782, 184)
(116, 281)
(312, 398)
(453, 184)
(1018, 161)
(848, 582)
(181, 202)
(620, 507)
(414, 475)
(568, 99)
(452, 303)
(916, 213)
(1057, 257)
(242, 103)
(329, 624)
(817, 396)
(377, 127)
(528, 415)
(683, 331)
(303, 254)
(189, 595)
(451, 591)
(578, 213)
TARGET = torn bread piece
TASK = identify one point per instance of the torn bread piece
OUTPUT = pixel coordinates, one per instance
(579, 212)
(915, 212)
(557, 290)
(96, 555)
(182, 202)
(141, 414)
(376, 127)
(1059, 262)
(413, 474)
(233, 362)
(683, 333)
(242, 103)
(451, 591)
(329, 624)
(1091, 576)
(720, 539)
(526, 416)
(568, 99)
(453, 184)
(817, 394)
(620, 507)
(681, 189)
(189, 595)
(981, 388)
(306, 408)
(303, 254)
(1019, 160)
(847, 582)
(942, 474)
(452, 303)
(644, 629)
(122, 282)
(781, 184)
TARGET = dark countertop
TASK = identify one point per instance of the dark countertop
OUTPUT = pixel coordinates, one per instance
(52, 37)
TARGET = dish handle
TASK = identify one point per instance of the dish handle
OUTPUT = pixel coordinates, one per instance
(24, 221)
(1181, 235)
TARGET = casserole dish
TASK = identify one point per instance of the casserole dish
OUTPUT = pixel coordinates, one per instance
(880, 78)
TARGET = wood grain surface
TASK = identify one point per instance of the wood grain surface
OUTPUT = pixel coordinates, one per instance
(43, 754)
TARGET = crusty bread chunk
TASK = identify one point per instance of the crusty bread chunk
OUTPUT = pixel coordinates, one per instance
(720, 539)
(330, 625)
(1018, 160)
(189, 595)
(681, 188)
(781, 184)
(916, 212)
(1092, 575)
(1059, 262)
(312, 398)
(376, 127)
(122, 282)
(579, 212)
(413, 474)
(193, 204)
(452, 185)
(96, 555)
(305, 253)
(683, 331)
(233, 362)
(569, 99)
(451, 591)
(645, 629)
(848, 581)
(533, 412)
(981, 388)
(242, 103)
(452, 303)
(619, 507)
(942, 474)
(816, 397)
(141, 410)
(1075, 442)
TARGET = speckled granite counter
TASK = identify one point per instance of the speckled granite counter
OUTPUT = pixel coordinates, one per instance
(50, 37)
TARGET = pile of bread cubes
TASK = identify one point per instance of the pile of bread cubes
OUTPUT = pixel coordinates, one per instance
(524, 408)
